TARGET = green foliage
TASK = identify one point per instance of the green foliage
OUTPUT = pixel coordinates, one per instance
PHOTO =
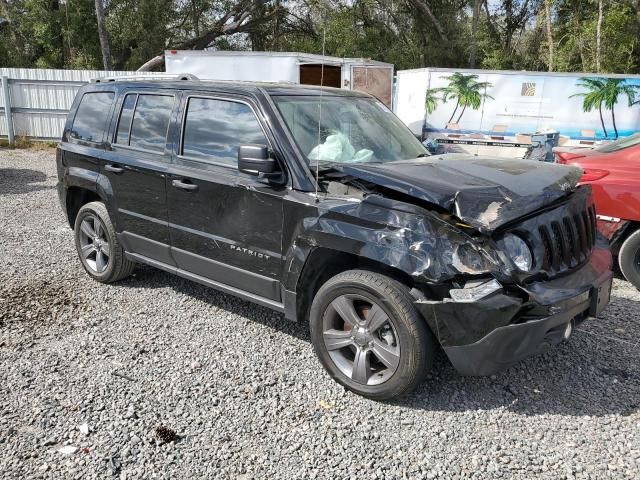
(348, 34)
(510, 34)
(138, 30)
(49, 34)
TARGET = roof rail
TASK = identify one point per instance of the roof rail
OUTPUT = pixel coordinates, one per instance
(118, 78)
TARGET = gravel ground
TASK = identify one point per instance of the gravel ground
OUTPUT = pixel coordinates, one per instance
(89, 372)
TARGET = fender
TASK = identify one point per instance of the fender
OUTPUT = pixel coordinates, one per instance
(81, 177)
(399, 235)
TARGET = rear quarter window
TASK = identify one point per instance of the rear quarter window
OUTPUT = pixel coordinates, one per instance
(89, 123)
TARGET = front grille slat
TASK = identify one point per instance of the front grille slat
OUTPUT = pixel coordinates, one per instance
(547, 253)
(572, 237)
(587, 227)
(592, 211)
(582, 234)
(562, 242)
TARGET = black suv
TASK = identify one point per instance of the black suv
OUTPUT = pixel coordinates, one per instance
(319, 203)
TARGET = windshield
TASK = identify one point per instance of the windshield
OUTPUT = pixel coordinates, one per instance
(620, 144)
(347, 130)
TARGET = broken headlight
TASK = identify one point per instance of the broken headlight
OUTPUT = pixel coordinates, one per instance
(518, 250)
(468, 259)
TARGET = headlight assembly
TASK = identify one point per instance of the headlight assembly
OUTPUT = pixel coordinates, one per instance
(519, 252)
(467, 259)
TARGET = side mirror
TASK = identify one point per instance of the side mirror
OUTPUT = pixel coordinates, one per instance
(255, 159)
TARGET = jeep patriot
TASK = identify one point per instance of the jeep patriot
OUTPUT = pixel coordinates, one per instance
(320, 204)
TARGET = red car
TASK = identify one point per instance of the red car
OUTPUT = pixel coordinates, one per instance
(613, 171)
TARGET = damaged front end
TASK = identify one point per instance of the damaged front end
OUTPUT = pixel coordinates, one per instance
(488, 324)
(496, 285)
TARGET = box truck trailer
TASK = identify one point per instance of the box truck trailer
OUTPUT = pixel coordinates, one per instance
(370, 76)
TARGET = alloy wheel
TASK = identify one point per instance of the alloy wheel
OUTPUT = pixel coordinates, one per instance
(94, 244)
(361, 339)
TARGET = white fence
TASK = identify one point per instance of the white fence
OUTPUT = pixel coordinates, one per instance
(34, 103)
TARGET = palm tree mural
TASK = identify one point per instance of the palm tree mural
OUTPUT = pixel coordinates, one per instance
(467, 91)
(593, 97)
(604, 92)
(431, 100)
(615, 87)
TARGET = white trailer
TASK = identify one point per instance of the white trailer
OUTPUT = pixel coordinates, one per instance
(513, 107)
(360, 74)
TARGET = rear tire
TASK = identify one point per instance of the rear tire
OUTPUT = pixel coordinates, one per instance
(97, 244)
(369, 336)
(629, 258)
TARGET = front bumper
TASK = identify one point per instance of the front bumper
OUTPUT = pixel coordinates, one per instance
(493, 333)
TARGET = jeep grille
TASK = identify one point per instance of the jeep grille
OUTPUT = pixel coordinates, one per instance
(568, 242)
(563, 238)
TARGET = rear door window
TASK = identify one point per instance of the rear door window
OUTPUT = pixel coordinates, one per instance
(144, 120)
(214, 129)
(90, 121)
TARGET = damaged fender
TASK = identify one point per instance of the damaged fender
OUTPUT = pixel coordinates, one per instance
(397, 234)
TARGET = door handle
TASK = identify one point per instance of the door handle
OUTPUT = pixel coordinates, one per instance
(189, 187)
(113, 168)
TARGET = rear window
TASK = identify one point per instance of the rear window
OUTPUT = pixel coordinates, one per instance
(144, 120)
(91, 117)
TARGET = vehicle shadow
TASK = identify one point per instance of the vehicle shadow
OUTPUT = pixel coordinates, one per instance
(595, 373)
(14, 181)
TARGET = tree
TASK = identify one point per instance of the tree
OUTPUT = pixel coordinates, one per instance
(475, 20)
(103, 35)
(467, 91)
(424, 7)
(547, 16)
(569, 35)
(599, 34)
(242, 16)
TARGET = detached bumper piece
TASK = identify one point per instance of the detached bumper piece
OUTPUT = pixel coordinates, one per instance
(492, 333)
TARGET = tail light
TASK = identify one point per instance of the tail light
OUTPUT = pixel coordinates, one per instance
(564, 157)
(592, 174)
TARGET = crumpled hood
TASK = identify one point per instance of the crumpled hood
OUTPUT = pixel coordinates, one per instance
(483, 192)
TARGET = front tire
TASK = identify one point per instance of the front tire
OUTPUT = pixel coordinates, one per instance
(369, 336)
(629, 258)
(97, 244)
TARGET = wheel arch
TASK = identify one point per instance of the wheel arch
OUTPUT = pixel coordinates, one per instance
(323, 263)
(76, 198)
(628, 230)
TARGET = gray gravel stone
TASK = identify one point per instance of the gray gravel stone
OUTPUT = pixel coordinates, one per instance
(244, 392)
